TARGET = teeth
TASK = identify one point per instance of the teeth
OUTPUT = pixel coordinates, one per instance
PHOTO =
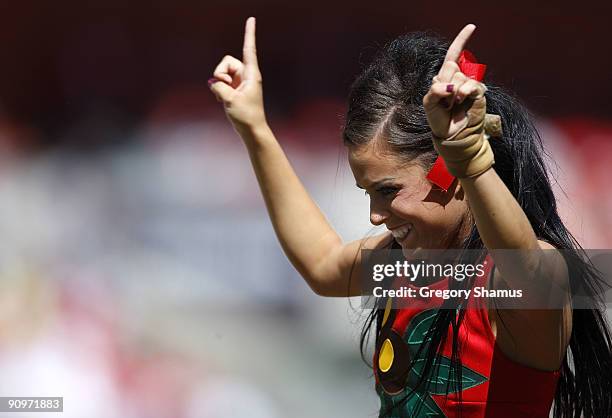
(401, 232)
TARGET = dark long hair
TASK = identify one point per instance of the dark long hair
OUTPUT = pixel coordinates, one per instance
(386, 98)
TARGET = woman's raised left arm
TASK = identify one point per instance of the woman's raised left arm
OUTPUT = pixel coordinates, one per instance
(456, 107)
(538, 332)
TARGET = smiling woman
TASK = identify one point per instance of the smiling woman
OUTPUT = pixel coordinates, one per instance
(412, 112)
(417, 214)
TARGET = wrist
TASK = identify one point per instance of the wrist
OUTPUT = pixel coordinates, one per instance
(468, 153)
(254, 134)
(466, 156)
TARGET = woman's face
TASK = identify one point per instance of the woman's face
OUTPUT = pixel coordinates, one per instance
(418, 213)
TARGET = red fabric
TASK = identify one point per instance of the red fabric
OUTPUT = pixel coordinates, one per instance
(511, 389)
(439, 175)
(470, 67)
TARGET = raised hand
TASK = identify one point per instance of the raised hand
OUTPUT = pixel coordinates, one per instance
(238, 85)
(453, 95)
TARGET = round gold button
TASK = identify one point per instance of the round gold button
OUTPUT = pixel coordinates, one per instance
(385, 356)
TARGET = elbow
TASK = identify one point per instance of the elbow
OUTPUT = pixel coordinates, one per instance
(327, 285)
(324, 275)
(314, 280)
(321, 287)
(318, 289)
(326, 280)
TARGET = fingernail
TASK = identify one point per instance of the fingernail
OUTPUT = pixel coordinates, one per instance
(450, 88)
(458, 99)
(212, 81)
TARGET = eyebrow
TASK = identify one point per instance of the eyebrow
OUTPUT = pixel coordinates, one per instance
(376, 183)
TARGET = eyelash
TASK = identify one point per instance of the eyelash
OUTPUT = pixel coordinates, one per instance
(385, 191)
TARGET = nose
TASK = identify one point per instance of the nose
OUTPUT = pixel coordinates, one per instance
(378, 215)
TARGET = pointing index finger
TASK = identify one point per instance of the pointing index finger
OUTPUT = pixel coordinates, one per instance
(249, 52)
(454, 50)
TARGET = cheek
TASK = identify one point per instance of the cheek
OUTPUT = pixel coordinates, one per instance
(412, 202)
(412, 207)
(425, 213)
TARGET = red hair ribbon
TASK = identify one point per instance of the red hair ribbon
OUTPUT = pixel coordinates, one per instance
(439, 174)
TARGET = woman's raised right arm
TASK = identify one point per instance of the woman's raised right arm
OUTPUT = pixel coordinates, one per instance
(311, 244)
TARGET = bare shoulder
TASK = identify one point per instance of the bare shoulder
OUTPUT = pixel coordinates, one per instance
(536, 338)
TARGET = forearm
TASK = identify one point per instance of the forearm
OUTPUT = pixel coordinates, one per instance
(303, 231)
(503, 225)
(500, 220)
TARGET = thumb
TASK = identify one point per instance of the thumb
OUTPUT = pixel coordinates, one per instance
(224, 92)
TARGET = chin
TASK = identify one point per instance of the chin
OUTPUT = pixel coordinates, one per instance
(419, 250)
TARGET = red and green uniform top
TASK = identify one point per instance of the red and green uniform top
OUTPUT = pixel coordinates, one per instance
(492, 384)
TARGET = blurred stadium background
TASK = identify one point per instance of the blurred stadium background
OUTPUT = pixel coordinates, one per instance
(139, 274)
